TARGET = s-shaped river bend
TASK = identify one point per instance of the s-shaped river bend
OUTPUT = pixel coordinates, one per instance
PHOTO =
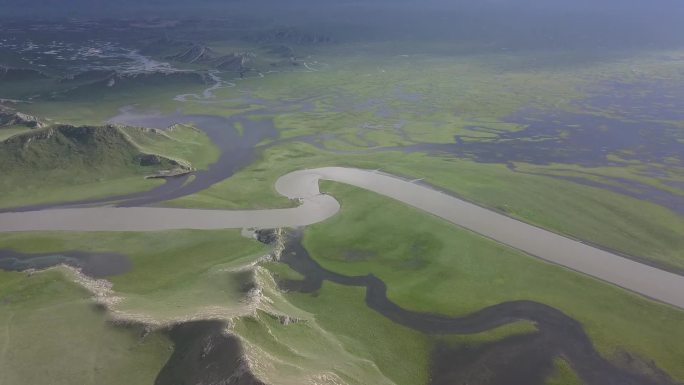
(315, 207)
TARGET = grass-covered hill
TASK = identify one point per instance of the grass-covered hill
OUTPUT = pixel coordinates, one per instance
(65, 162)
(91, 150)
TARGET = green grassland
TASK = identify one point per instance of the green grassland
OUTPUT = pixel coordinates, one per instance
(368, 95)
(429, 258)
(7, 132)
(189, 274)
(631, 226)
(96, 111)
(51, 333)
(90, 162)
(343, 338)
(176, 276)
(364, 97)
(182, 143)
(66, 158)
(94, 105)
(563, 374)
(161, 260)
(628, 170)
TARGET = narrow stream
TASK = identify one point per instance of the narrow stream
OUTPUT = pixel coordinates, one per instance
(523, 360)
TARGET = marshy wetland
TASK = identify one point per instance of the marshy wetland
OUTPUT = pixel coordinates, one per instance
(462, 193)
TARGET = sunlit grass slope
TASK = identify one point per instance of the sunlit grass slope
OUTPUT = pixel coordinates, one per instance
(50, 333)
(67, 163)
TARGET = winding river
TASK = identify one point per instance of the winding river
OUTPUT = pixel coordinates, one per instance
(315, 207)
(522, 359)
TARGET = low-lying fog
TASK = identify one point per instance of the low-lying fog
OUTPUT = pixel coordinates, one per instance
(502, 24)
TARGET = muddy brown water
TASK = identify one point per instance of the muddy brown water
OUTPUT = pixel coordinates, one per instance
(302, 185)
(517, 360)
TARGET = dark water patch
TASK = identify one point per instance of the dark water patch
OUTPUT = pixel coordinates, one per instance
(644, 101)
(568, 138)
(204, 354)
(633, 122)
(557, 334)
(96, 265)
(520, 359)
(587, 139)
(625, 123)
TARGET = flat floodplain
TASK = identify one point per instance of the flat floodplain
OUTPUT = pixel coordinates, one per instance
(482, 194)
(303, 185)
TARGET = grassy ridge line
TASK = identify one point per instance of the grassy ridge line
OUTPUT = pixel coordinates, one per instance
(343, 330)
(181, 143)
(129, 138)
(164, 286)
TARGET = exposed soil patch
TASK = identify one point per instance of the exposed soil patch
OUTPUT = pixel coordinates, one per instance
(524, 360)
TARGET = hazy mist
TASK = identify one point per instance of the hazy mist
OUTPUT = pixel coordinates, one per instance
(499, 24)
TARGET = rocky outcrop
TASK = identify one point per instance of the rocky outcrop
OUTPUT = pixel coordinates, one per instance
(10, 117)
